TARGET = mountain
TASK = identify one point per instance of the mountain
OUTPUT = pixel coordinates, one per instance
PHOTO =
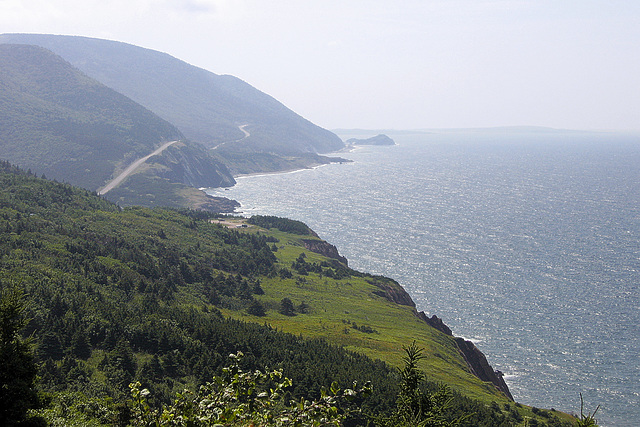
(220, 111)
(59, 122)
(162, 297)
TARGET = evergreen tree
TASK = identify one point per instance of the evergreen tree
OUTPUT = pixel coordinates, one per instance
(287, 308)
(80, 345)
(17, 367)
(415, 408)
(256, 309)
(303, 308)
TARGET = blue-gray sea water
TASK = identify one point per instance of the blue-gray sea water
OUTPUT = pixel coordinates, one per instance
(525, 241)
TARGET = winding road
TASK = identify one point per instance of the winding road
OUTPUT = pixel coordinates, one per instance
(246, 135)
(131, 168)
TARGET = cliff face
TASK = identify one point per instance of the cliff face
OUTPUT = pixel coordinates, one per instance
(435, 322)
(388, 288)
(480, 366)
(324, 248)
(475, 359)
(392, 291)
(192, 165)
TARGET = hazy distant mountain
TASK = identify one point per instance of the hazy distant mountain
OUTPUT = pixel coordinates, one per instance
(206, 107)
(56, 120)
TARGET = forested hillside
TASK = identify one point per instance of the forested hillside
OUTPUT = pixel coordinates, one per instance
(59, 122)
(163, 297)
(206, 107)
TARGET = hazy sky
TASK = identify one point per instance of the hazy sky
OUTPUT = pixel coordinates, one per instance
(390, 64)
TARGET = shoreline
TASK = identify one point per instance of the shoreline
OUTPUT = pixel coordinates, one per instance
(524, 382)
(346, 149)
(282, 172)
(218, 191)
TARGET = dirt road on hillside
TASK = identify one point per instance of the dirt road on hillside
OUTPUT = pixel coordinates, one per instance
(131, 168)
(246, 135)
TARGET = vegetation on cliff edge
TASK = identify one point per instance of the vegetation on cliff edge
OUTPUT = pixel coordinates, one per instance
(161, 297)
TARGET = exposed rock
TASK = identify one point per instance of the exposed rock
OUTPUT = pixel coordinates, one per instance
(475, 359)
(216, 204)
(324, 248)
(392, 291)
(435, 322)
(192, 165)
(480, 367)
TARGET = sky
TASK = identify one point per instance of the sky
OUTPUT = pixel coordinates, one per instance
(402, 64)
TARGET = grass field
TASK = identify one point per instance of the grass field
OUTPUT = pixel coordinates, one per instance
(337, 306)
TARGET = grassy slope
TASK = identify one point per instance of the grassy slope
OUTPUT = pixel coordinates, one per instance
(90, 267)
(333, 303)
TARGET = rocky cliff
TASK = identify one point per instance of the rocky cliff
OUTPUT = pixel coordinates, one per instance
(435, 322)
(394, 292)
(391, 290)
(191, 164)
(480, 366)
(475, 359)
(324, 248)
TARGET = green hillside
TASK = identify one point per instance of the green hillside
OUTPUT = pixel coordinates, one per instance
(163, 296)
(57, 121)
(206, 107)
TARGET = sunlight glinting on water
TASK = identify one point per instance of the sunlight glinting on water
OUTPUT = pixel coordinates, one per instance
(525, 243)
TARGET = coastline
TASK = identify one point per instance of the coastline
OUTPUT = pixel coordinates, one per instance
(476, 360)
(218, 191)
(334, 160)
(533, 369)
(280, 172)
(332, 156)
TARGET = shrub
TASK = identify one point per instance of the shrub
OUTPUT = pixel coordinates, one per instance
(239, 398)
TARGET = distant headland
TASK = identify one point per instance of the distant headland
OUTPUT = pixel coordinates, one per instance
(380, 139)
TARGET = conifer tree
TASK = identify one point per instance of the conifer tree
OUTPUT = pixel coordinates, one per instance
(17, 368)
(287, 308)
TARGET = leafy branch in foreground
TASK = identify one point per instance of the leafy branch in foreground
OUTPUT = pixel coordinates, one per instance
(239, 398)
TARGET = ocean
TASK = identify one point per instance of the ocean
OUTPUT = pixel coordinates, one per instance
(524, 240)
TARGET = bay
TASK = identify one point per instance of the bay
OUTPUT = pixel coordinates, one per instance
(526, 241)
